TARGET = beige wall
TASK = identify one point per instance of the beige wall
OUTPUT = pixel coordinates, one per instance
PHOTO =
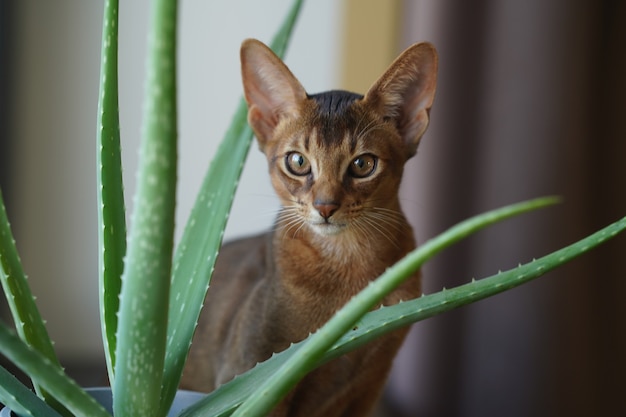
(370, 41)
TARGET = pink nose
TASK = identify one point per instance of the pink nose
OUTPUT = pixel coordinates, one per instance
(326, 208)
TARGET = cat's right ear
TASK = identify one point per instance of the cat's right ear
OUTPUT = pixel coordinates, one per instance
(271, 90)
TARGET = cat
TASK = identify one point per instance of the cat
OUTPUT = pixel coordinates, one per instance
(336, 161)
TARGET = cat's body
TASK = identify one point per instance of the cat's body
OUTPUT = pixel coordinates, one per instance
(336, 161)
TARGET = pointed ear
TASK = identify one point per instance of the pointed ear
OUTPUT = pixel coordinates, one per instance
(405, 92)
(270, 89)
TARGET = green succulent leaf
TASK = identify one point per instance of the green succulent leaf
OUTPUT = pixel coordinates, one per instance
(28, 322)
(142, 325)
(111, 209)
(48, 375)
(20, 399)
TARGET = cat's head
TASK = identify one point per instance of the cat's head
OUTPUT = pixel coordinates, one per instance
(336, 158)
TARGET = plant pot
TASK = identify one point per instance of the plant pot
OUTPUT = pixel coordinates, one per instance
(182, 400)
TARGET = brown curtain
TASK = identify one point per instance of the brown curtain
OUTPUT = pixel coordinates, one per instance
(531, 102)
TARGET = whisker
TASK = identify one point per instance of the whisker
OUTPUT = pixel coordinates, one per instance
(302, 223)
(286, 228)
(285, 222)
(386, 212)
(392, 219)
(289, 218)
(374, 226)
(361, 231)
(386, 225)
(395, 215)
(380, 231)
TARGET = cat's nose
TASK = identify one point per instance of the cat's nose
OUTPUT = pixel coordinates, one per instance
(326, 208)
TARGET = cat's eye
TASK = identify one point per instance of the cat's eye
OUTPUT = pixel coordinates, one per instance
(362, 166)
(297, 164)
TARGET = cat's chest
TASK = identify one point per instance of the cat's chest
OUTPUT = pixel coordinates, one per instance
(331, 270)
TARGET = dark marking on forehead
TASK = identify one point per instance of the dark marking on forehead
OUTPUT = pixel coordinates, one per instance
(334, 102)
(334, 118)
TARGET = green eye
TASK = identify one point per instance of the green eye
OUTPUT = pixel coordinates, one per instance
(363, 166)
(297, 164)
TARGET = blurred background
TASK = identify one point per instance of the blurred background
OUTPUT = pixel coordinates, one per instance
(531, 101)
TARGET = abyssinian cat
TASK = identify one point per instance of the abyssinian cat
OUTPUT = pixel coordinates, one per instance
(336, 161)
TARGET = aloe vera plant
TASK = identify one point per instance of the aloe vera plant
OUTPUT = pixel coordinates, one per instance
(146, 344)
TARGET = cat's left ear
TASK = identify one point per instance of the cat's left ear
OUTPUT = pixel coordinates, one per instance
(405, 92)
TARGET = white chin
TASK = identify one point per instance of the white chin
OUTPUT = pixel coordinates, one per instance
(327, 229)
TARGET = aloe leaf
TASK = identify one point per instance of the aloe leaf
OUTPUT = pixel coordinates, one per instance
(28, 322)
(111, 210)
(142, 325)
(49, 375)
(20, 399)
(202, 237)
(224, 400)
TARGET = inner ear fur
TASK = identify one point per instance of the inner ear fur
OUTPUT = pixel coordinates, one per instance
(270, 89)
(405, 92)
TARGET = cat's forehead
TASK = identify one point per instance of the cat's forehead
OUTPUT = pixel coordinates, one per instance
(338, 123)
(334, 119)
